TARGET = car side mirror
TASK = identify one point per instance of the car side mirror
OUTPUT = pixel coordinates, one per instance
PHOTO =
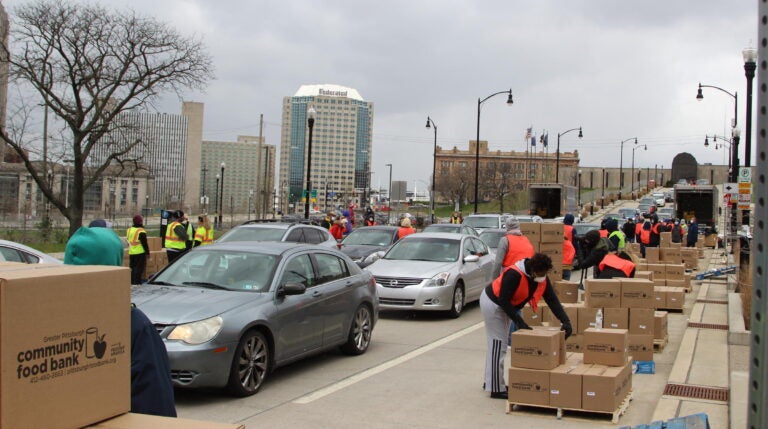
(291, 289)
(471, 258)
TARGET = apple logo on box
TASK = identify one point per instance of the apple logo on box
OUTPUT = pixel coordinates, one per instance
(95, 346)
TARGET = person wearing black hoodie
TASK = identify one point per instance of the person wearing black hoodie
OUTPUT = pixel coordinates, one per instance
(592, 253)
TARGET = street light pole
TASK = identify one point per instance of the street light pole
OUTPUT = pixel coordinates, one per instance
(434, 168)
(216, 200)
(621, 164)
(477, 140)
(221, 199)
(579, 185)
(557, 158)
(389, 193)
(632, 185)
(311, 125)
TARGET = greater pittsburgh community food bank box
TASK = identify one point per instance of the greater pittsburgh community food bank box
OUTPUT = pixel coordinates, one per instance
(65, 346)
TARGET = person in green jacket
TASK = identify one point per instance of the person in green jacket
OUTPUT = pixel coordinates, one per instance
(94, 245)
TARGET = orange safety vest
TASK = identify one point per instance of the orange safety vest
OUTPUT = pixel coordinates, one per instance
(638, 228)
(403, 231)
(568, 231)
(613, 261)
(569, 252)
(519, 247)
(603, 233)
(645, 236)
(523, 289)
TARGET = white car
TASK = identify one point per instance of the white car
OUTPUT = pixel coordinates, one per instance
(15, 252)
(659, 199)
(433, 271)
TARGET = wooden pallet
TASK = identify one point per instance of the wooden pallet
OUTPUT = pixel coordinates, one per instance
(512, 407)
(658, 345)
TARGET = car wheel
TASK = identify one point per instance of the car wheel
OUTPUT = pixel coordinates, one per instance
(457, 306)
(250, 365)
(359, 332)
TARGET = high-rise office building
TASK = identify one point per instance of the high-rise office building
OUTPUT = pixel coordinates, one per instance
(170, 148)
(249, 168)
(341, 146)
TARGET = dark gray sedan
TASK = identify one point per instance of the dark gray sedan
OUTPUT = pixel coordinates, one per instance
(362, 244)
(229, 313)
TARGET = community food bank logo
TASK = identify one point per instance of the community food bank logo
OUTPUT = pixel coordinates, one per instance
(66, 353)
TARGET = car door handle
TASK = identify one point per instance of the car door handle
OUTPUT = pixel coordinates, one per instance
(317, 293)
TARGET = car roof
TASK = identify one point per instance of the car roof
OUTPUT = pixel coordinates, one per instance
(493, 230)
(424, 235)
(275, 248)
(484, 215)
(375, 227)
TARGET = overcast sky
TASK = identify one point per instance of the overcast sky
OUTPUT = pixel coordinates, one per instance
(619, 69)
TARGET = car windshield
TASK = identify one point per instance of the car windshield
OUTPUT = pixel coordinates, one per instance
(446, 227)
(369, 237)
(647, 200)
(425, 249)
(253, 234)
(627, 212)
(482, 222)
(491, 239)
(230, 270)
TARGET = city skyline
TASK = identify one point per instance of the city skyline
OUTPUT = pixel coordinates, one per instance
(617, 70)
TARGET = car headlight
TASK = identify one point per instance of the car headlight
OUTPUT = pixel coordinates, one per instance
(197, 332)
(439, 280)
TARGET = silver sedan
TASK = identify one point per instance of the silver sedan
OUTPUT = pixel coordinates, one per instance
(433, 271)
(231, 312)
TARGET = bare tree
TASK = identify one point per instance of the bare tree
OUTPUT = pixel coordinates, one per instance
(456, 185)
(89, 66)
(496, 181)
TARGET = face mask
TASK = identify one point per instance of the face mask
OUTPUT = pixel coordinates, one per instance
(539, 279)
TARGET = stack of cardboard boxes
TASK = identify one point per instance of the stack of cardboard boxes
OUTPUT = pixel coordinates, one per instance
(65, 349)
(547, 238)
(157, 257)
(541, 373)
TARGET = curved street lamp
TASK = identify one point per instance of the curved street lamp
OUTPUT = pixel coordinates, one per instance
(735, 145)
(431, 123)
(311, 125)
(477, 140)
(621, 164)
(557, 159)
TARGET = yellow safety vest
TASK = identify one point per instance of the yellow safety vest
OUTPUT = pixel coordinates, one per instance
(134, 245)
(204, 236)
(173, 241)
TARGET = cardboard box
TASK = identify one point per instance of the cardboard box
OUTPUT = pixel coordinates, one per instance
(606, 346)
(565, 384)
(541, 348)
(571, 310)
(66, 345)
(532, 318)
(528, 386)
(675, 298)
(604, 388)
(690, 258)
(671, 255)
(641, 321)
(566, 291)
(616, 318)
(556, 273)
(145, 421)
(155, 244)
(575, 343)
(665, 239)
(532, 230)
(553, 250)
(659, 270)
(552, 233)
(676, 283)
(660, 324)
(647, 275)
(660, 297)
(637, 293)
(652, 255)
(586, 319)
(674, 272)
(641, 347)
(602, 293)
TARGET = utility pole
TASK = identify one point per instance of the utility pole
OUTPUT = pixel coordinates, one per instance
(258, 158)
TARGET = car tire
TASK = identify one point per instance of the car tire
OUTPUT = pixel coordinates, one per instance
(250, 365)
(457, 303)
(360, 331)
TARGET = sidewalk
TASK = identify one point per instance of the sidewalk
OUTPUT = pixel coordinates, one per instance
(710, 368)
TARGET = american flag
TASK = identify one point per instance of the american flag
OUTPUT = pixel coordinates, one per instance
(529, 132)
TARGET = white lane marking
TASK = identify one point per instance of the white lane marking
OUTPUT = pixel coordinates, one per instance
(318, 394)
